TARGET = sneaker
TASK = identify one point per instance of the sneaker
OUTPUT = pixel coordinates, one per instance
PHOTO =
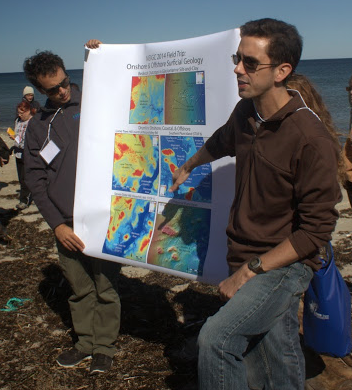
(21, 206)
(100, 363)
(72, 357)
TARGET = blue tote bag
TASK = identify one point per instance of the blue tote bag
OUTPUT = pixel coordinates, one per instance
(327, 310)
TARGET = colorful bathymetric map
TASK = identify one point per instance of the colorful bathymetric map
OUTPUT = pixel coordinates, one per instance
(147, 100)
(130, 228)
(180, 239)
(175, 151)
(136, 163)
(185, 98)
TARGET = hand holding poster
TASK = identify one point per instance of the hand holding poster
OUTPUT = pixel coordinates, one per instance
(146, 109)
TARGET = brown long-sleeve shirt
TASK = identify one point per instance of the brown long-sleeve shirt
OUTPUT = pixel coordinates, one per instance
(286, 181)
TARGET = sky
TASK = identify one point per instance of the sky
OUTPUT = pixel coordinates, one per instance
(64, 26)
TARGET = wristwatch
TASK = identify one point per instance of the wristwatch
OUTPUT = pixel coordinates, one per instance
(255, 265)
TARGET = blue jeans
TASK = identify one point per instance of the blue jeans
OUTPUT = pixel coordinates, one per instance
(252, 342)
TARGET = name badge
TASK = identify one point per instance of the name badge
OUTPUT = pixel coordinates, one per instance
(49, 152)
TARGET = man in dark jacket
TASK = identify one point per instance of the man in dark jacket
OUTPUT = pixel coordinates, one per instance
(283, 212)
(50, 164)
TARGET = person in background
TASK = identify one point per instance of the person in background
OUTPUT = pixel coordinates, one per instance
(24, 115)
(4, 153)
(4, 159)
(50, 160)
(75, 86)
(315, 102)
(349, 90)
(28, 96)
(283, 213)
(347, 149)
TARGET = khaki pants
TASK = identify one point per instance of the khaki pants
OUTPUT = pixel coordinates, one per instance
(95, 303)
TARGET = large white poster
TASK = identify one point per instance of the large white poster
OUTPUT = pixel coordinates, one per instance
(145, 110)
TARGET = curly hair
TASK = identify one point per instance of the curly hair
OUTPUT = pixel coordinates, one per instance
(285, 43)
(43, 63)
(315, 102)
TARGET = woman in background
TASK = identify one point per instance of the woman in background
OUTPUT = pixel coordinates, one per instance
(315, 102)
(347, 149)
(24, 113)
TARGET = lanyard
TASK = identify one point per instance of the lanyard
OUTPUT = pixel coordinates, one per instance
(47, 139)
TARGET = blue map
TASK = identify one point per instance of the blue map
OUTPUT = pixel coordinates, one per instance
(175, 151)
(181, 238)
(130, 228)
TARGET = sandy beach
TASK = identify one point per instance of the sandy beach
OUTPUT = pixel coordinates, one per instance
(161, 314)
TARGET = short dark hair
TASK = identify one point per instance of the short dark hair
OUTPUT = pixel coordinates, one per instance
(43, 63)
(285, 43)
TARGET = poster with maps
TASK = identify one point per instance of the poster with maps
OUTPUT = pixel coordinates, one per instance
(146, 110)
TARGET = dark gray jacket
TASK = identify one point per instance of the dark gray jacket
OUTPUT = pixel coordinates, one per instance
(53, 185)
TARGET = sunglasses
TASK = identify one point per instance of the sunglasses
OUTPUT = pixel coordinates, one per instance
(349, 88)
(250, 64)
(55, 90)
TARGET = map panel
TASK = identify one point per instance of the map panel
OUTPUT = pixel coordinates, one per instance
(180, 240)
(175, 151)
(136, 163)
(185, 98)
(130, 228)
(147, 100)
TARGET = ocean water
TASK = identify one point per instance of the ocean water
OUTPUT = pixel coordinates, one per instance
(330, 77)
(11, 88)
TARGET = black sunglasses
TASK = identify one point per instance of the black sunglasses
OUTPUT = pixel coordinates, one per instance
(55, 90)
(251, 64)
(349, 88)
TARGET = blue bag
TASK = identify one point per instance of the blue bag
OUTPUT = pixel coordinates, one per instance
(327, 310)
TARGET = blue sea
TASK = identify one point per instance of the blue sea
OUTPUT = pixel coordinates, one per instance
(330, 77)
(11, 88)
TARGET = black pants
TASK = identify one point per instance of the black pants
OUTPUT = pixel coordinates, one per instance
(25, 194)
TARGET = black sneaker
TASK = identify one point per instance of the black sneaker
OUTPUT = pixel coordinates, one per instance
(72, 357)
(100, 363)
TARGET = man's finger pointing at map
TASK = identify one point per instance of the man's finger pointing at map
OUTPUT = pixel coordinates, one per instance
(181, 174)
(179, 177)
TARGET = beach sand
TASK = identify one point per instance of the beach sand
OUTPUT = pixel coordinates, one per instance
(161, 314)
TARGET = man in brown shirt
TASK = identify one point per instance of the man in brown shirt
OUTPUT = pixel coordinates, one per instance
(283, 212)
